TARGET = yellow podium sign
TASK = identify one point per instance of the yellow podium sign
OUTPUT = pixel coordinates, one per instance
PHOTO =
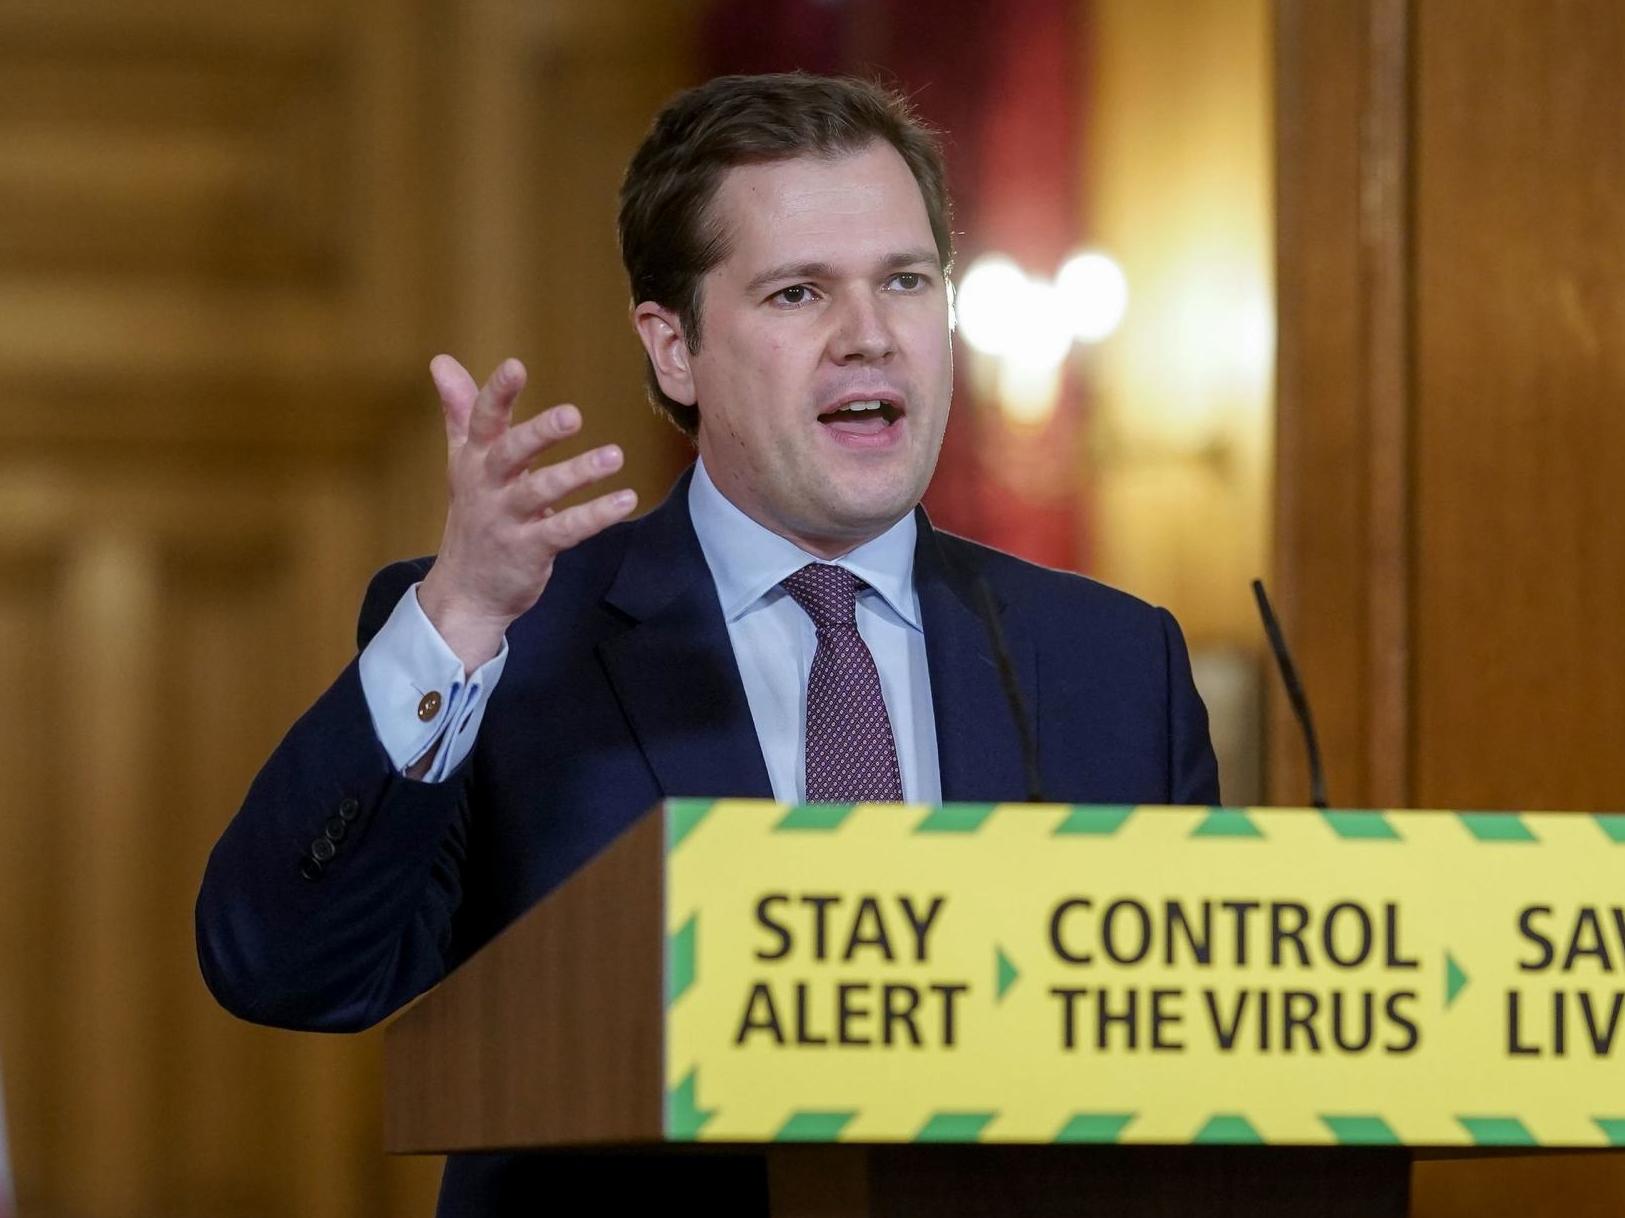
(1039, 973)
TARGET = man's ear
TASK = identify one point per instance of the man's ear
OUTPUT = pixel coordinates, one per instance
(662, 335)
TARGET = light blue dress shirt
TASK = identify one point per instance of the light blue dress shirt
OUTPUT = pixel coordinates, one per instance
(773, 641)
(407, 659)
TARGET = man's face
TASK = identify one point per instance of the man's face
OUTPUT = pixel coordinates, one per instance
(831, 300)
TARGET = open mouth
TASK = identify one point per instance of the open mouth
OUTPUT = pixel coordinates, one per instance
(867, 417)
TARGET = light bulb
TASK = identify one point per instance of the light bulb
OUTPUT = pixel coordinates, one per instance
(1094, 294)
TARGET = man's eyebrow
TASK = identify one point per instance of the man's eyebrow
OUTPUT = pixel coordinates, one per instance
(913, 257)
(824, 270)
(791, 270)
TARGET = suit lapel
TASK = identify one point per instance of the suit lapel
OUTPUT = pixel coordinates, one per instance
(673, 669)
(978, 746)
(674, 673)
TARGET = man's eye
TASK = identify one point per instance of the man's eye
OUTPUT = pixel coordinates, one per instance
(795, 294)
(909, 281)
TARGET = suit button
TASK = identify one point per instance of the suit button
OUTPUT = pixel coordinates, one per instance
(310, 869)
(429, 705)
(349, 809)
(334, 832)
(322, 850)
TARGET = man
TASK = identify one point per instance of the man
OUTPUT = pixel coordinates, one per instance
(786, 624)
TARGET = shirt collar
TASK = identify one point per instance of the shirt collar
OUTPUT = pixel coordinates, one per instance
(748, 560)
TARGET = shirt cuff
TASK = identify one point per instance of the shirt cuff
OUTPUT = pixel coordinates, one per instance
(418, 693)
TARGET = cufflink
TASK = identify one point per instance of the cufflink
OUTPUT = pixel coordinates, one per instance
(429, 705)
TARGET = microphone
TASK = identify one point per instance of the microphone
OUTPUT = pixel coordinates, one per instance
(989, 614)
(1294, 693)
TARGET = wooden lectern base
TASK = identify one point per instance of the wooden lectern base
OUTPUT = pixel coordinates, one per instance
(908, 1181)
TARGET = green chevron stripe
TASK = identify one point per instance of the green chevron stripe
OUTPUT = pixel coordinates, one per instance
(1361, 1130)
(1455, 979)
(955, 818)
(954, 1126)
(684, 1117)
(1229, 1128)
(683, 816)
(680, 952)
(1227, 822)
(814, 818)
(1497, 827)
(1094, 1127)
(1005, 973)
(1497, 1131)
(1094, 820)
(1360, 825)
(814, 1127)
(1613, 1128)
(1613, 824)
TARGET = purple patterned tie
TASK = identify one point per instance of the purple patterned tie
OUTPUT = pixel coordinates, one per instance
(851, 757)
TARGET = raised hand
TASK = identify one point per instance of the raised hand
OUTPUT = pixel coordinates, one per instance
(502, 531)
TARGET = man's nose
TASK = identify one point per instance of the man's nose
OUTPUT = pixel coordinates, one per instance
(861, 332)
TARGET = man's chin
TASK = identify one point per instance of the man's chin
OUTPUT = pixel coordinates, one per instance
(857, 519)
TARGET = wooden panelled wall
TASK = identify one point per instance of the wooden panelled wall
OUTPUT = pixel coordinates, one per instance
(230, 239)
(1450, 560)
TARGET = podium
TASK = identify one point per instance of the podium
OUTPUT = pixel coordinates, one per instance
(1183, 1011)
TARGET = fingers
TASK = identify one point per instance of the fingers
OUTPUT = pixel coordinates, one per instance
(488, 417)
(573, 525)
(546, 486)
(519, 446)
(457, 393)
(505, 492)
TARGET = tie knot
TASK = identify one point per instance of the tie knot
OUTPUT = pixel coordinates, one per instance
(828, 594)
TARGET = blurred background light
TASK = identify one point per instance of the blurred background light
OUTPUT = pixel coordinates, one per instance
(1027, 324)
(1093, 294)
(1006, 313)
(1041, 333)
(985, 304)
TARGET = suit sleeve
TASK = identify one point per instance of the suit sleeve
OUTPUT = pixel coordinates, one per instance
(328, 901)
(1193, 770)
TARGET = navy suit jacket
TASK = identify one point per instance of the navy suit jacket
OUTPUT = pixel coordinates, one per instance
(620, 690)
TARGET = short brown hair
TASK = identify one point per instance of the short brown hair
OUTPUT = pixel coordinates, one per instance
(668, 242)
